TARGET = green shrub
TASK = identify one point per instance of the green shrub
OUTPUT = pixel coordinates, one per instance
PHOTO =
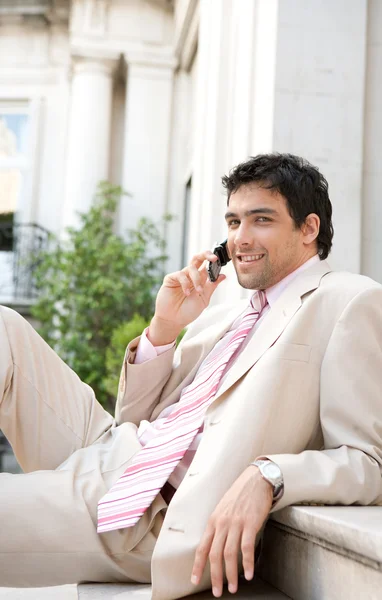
(92, 281)
(180, 336)
(120, 338)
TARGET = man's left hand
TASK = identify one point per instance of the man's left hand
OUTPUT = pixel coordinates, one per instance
(232, 527)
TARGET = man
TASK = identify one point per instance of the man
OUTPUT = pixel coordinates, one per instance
(291, 381)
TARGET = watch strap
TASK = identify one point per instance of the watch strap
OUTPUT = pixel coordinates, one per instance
(278, 487)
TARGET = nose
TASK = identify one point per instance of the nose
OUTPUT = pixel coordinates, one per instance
(242, 237)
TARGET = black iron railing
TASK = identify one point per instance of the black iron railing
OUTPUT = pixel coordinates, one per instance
(27, 7)
(4, 449)
(20, 244)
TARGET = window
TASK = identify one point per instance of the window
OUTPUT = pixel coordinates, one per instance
(14, 126)
(14, 166)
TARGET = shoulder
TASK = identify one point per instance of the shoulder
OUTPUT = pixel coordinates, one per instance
(349, 282)
(340, 295)
(344, 287)
(348, 295)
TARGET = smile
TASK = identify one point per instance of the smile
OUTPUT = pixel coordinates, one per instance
(250, 258)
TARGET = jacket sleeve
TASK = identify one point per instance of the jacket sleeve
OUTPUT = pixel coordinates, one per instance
(348, 468)
(140, 386)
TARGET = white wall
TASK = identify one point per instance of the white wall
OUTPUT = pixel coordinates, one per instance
(319, 105)
(372, 166)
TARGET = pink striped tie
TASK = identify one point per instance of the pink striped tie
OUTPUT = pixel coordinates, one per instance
(150, 468)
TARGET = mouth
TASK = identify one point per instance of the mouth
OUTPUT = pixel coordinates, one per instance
(249, 259)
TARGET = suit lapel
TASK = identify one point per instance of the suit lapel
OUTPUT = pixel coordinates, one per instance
(275, 322)
(199, 346)
(193, 352)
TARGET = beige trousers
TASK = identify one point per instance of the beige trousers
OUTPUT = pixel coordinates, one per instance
(71, 452)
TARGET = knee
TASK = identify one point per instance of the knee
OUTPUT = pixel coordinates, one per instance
(16, 335)
(11, 317)
(13, 322)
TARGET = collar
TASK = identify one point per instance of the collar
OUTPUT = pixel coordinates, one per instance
(274, 292)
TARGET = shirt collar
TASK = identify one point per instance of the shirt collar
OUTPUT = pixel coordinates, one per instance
(274, 292)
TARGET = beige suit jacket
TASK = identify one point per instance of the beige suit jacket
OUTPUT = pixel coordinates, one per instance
(306, 392)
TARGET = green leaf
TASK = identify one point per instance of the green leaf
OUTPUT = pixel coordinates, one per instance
(97, 289)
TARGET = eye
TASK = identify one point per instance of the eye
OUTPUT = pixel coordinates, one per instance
(263, 219)
(233, 222)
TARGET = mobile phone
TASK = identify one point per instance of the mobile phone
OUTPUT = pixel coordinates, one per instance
(214, 268)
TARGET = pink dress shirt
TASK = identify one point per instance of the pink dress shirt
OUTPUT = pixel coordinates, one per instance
(146, 351)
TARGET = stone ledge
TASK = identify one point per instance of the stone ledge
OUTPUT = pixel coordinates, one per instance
(115, 591)
(324, 552)
(354, 530)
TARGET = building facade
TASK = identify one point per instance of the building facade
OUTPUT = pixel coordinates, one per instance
(163, 97)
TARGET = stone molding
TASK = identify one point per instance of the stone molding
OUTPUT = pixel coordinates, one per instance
(134, 54)
(95, 17)
(104, 66)
(186, 39)
(32, 76)
(151, 58)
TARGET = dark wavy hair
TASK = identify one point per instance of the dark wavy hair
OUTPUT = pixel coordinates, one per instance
(304, 188)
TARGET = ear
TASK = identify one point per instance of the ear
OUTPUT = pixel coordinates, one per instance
(311, 228)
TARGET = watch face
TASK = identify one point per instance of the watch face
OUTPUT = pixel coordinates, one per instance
(272, 471)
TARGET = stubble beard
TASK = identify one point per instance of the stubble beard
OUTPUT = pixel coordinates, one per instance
(258, 281)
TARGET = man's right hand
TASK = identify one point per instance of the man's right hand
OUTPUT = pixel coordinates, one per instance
(181, 299)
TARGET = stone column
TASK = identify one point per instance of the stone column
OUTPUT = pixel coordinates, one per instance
(211, 135)
(88, 145)
(223, 120)
(147, 137)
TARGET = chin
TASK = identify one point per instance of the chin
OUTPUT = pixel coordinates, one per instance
(249, 284)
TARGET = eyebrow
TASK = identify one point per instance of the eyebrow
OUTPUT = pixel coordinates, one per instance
(254, 211)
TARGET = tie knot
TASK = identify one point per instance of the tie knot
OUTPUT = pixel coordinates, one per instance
(259, 301)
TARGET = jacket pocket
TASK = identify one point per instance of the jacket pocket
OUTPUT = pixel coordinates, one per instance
(295, 352)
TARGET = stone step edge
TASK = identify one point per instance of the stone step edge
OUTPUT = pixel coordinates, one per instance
(347, 530)
(247, 590)
(336, 549)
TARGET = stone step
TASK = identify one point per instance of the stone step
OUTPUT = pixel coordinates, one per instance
(59, 592)
(324, 552)
(113, 591)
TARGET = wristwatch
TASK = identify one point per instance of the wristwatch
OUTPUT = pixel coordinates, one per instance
(271, 473)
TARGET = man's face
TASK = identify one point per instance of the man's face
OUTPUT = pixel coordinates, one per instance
(263, 240)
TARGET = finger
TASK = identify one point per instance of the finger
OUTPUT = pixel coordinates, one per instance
(185, 282)
(198, 259)
(196, 278)
(203, 273)
(201, 556)
(248, 541)
(216, 561)
(231, 553)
